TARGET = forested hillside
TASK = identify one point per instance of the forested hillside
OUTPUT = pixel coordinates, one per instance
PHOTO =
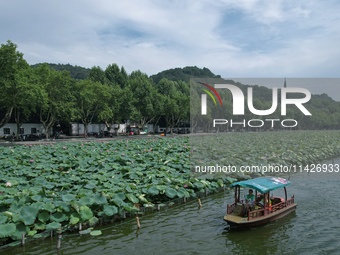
(76, 72)
(183, 74)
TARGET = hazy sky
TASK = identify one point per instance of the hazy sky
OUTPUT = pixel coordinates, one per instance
(243, 38)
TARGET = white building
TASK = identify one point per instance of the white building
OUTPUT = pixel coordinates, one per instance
(25, 129)
(75, 129)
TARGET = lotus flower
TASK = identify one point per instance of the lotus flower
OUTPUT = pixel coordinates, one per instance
(8, 184)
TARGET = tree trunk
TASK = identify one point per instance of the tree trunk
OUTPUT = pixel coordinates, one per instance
(6, 118)
(48, 123)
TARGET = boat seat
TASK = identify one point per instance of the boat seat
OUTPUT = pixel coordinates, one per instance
(238, 209)
(275, 200)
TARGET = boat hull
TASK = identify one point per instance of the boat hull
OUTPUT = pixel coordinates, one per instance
(238, 222)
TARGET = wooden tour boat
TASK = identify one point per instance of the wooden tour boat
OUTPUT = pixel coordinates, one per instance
(242, 216)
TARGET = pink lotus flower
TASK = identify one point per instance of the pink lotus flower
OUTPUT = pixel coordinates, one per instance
(115, 151)
(122, 154)
(8, 184)
(31, 160)
(132, 162)
(185, 186)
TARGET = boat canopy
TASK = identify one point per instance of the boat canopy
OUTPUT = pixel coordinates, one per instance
(263, 184)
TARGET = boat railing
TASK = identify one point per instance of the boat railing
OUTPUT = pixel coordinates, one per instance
(230, 208)
(273, 208)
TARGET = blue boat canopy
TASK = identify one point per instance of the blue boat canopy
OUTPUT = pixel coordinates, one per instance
(263, 184)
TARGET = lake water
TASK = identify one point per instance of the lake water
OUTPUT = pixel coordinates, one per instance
(187, 229)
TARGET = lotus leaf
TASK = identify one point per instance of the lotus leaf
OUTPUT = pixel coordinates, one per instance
(39, 226)
(96, 233)
(28, 214)
(117, 201)
(3, 218)
(93, 221)
(63, 205)
(110, 210)
(48, 207)
(14, 243)
(85, 201)
(74, 220)
(44, 216)
(85, 213)
(90, 186)
(20, 228)
(31, 233)
(153, 191)
(58, 217)
(7, 230)
(142, 198)
(170, 192)
(86, 231)
(132, 198)
(53, 226)
(121, 195)
(100, 199)
(75, 206)
(68, 197)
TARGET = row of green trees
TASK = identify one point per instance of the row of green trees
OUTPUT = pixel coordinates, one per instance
(112, 96)
(109, 96)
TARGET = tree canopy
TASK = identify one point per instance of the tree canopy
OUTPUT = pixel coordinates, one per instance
(53, 93)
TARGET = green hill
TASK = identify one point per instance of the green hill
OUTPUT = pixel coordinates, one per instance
(76, 72)
(183, 74)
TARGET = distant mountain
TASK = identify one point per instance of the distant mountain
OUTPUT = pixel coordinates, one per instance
(76, 72)
(183, 74)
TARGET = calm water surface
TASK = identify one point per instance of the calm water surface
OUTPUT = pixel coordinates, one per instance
(187, 229)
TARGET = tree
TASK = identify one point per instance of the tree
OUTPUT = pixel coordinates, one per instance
(12, 64)
(56, 101)
(176, 107)
(97, 74)
(144, 99)
(92, 100)
(27, 103)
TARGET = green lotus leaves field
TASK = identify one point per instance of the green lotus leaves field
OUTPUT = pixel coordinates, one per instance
(56, 186)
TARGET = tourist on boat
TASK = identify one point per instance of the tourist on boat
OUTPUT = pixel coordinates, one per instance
(261, 203)
(250, 198)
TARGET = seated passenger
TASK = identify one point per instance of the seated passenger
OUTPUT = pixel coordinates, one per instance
(261, 204)
(250, 200)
